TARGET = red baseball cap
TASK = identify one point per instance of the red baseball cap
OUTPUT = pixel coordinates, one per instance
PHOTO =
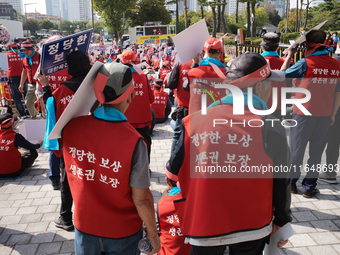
(214, 44)
(128, 57)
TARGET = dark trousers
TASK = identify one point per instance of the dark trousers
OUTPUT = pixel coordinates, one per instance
(255, 247)
(54, 173)
(14, 83)
(27, 161)
(66, 196)
(153, 122)
(332, 151)
(145, 132)
(315, 131)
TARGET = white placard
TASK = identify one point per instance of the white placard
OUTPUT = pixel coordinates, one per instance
(33, 130)
(191, 41)
(282, 234)
(3, 62)
(81, 103)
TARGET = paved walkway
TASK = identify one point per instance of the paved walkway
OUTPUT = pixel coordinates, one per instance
(28, 206)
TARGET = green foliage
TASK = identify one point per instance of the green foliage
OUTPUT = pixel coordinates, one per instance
(98, 25)
(45, 24)
(112, 12)
(284, 38)
(261, 17)
(329, 10)
(274, 17)
(232, 28)
(291, 20)
(31, 24)
(148, 10)
(193, 17)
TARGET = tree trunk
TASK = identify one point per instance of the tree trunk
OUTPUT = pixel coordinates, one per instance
(287, 16)
(248, 19)
(306, 15)
(300, 18)
(202, 12)
(223, 19)
(297, 17)
(253, 14)
(214, 20)
(236, 13)
(177, 21)
(185, 13)
(218, 17)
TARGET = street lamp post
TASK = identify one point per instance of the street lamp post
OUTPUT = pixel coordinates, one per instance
(26, 16)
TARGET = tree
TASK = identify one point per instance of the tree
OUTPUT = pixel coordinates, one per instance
(20, 17)
(261, 18)
(66, 26)
(31, 24)
(274, 17)
(148, 10)
(185, 13)
(291, 21)
(98, 26)
(202, 3)
(236, 12)
(45, 24)
(222, 17)
(112, 12)
(213, 4)
(80, 24)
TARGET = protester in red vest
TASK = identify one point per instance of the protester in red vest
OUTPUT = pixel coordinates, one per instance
(261, 204)
(78, 65)
(109, 177)
(172, 239)
(319, 74)
(14, 75)
(329, 43)
(139, 112)
(162, 104)
(12, 163)
(159, 32)
(269, 45)
(31, 63)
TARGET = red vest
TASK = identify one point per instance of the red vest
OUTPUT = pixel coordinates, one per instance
(155, 63)
(99, 176)
(275, 64)
(139, 111)
(206, 75)
(183, 97)
(171, 237)
(57, 78)
(14, 64)
(31, 70)
(212, 198)
(164, 72)
(321, 78)
(62, 97)
(161, 99)
(10, 156)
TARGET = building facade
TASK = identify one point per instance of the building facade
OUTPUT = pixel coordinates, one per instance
(38, 16)
(79, 10)
(53, 7)
(7, 12)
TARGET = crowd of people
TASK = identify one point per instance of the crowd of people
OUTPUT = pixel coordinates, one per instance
(101, 163)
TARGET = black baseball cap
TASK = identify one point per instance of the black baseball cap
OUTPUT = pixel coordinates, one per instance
(249, 68)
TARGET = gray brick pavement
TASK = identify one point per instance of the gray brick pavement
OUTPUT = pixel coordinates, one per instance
(28, 206)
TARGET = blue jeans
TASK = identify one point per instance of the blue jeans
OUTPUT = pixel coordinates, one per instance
(54, 173)
(86, 244)
(14, 83)
(177, 127)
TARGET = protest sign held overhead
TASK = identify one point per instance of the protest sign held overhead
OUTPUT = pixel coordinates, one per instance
(53, 57)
